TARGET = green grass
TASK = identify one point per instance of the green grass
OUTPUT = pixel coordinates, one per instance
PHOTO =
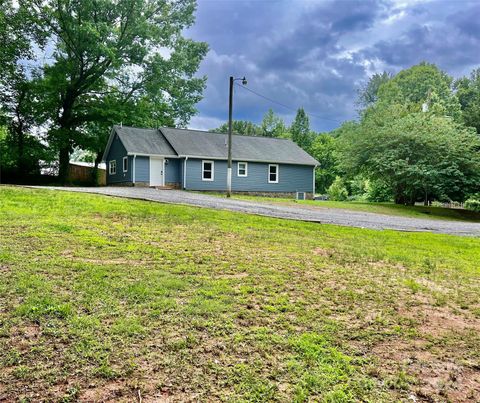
(435, 213)
(104, 298)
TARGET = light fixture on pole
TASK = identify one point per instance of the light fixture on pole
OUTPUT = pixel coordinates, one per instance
(230, 107)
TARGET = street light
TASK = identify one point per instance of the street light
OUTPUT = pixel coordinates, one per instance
(230, 107)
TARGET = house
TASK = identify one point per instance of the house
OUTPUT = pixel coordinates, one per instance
(197, 160)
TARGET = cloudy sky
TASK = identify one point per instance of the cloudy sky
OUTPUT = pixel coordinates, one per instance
(316, 54)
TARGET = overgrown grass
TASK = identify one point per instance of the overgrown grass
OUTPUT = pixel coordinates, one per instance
(435, 213)
(105, 298)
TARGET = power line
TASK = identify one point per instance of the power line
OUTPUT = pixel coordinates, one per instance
(283, 105)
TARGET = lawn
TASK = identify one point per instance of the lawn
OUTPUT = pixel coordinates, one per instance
(435, 213)
(112, 299)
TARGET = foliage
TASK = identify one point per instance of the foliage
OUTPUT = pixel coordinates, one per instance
(323, 150)
(272, 125)
(378, 191)
(242, 127)
(112, 61)
(368, 95)
(473, 203)
(300, 130)
(423, 83)
(419, 155)
(468, 93)
(337, 190)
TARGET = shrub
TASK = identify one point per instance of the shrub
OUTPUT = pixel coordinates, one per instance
(379, 191)
(337, 190)
(473, 204)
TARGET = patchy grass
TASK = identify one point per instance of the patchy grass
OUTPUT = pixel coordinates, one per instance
(113, 299)
(434, 213)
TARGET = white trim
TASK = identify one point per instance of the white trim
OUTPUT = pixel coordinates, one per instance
(163, 175)
(133, 169)
(185, 172)
(123, 164)
(154, 155)
(246, 169)
(112, 167)
(213, 170)
(277, 173)
(313, 192)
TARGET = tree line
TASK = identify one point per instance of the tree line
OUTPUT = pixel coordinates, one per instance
(416, 139)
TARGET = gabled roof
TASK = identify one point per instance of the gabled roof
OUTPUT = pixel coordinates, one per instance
(171, 142)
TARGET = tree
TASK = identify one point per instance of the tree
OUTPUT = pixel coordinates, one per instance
(421, 84)
(272, 125)
(109, 58)
(18, 90)
(468, 93)
(420, 156)
(242, 127)
(300, 130)
(368, 94)
(323, 150)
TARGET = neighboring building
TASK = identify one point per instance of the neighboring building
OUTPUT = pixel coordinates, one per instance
(197, 160)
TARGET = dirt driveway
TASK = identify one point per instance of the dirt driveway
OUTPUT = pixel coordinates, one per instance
(301, 212)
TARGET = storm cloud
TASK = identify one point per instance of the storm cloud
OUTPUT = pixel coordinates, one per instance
(318, 54)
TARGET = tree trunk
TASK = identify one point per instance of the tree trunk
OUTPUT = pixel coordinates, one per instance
(64, 161)
(97, 161)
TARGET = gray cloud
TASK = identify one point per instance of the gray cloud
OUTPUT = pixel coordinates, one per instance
(317, 54)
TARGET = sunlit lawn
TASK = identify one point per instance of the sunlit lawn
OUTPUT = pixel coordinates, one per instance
(105, 298)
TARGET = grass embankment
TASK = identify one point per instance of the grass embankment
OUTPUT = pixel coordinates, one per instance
(435, 213)
(104, 298)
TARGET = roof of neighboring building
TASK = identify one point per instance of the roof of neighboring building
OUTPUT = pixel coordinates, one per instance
(196, 143)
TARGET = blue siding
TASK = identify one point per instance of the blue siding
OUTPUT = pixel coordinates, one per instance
(292, 178)
(173, 172)
(117, 152)
(142, 169)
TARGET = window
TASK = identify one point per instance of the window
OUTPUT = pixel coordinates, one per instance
(242, 169)
(125, 164)
(207, 171)
(112, 167)
(273, 173)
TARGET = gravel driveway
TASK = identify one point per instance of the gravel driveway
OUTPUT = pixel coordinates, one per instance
(301, 212)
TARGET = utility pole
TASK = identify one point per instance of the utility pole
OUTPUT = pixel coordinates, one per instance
(230, 112)
(229, 166)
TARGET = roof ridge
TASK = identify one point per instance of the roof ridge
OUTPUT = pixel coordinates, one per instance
(226, 134)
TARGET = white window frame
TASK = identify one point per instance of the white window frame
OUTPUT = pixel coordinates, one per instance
(112, 167)
(246, 169)
(125, 160)
(277, 173)
(203, 170)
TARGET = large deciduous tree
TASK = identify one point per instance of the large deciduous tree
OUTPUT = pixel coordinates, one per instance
(421, 156)
(115, 61)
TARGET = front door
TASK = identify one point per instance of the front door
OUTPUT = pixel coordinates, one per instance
(156, 171)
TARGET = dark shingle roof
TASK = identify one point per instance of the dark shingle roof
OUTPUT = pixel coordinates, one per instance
(195, 143)
(249, 148)
(144, 141)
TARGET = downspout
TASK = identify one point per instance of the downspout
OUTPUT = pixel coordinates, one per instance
(313, 194)
(185, 173)
(133, 169)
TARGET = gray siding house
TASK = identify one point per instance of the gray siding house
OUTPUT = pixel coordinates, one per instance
(197, 160)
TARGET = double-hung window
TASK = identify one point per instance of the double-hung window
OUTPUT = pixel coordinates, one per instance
(273, 173)
(112, 167)
(125, 164)
(242, 169)
(207, 170)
